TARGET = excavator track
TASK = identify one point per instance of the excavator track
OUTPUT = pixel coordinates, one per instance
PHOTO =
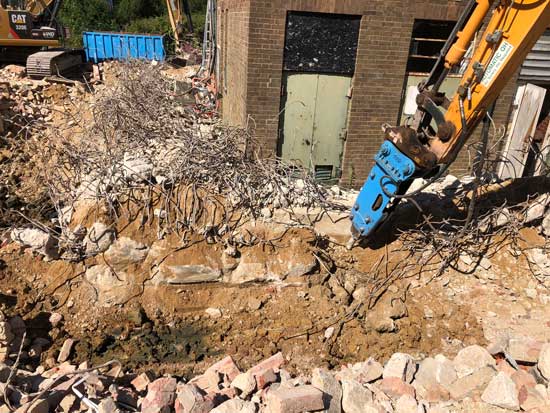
(54, 63)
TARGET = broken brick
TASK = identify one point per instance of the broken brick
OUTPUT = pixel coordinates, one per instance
(264, 378)
(295, 400)
(395, 388)
(274, 362)
(141, 382)
(161, 395)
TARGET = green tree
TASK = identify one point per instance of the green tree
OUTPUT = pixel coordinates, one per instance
(126, 11)
(133, 16)
(80, 16)
(198, 6)
(154, 18)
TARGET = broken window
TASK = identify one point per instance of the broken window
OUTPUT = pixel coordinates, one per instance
(321, 43)
(428, 38)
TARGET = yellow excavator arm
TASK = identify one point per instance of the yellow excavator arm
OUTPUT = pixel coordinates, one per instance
(38, 7)
(510, 35)
(422, 150)
(177, 11)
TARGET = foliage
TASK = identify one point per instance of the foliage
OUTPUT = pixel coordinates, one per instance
(198, 6)
(126, 11)
(153, 25)
(133, 16)
(81, 16)
(198, 21)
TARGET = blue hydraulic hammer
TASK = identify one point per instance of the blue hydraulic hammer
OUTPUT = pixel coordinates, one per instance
(392, 171)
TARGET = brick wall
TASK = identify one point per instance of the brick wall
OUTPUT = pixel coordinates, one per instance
(232, 32)
(384, 41)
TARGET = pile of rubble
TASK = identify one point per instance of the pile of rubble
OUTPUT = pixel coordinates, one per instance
(27, 106)
(26, 102)
(478, 379)
(139, 146)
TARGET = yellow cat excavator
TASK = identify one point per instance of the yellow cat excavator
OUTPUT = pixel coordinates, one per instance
(440, 128)
(30, 34)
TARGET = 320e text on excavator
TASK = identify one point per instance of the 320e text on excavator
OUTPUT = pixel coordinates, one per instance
(30, 33)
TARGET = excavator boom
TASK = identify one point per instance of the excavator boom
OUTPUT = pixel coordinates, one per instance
(419, 150)
(177, 10)
(511, 34)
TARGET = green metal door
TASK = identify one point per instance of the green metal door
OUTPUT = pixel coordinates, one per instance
(314, 122)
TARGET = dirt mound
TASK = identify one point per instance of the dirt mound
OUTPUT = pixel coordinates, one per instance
(164, 323)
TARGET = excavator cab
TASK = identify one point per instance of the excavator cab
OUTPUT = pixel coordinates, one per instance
(30, 34)
(13, 4)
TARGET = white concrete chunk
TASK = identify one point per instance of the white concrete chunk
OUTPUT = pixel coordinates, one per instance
(501, 392)
(471, 359)
(400, 365)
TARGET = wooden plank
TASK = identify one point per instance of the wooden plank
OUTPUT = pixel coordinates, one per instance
(420, 56)
(529, 105)
(427, 39)
(516, 105)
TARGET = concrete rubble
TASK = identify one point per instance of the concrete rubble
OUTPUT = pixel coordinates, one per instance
(400, 385)
(25, 100)
(37, 240)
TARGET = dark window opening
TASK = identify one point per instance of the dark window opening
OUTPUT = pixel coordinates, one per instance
(428, 38)
(321, 43)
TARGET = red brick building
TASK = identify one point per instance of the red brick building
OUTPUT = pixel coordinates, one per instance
(383, 46)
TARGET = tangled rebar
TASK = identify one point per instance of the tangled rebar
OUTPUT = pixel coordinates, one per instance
(140, 151)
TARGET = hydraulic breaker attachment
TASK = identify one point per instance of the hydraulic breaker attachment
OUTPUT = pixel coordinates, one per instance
(393, 171)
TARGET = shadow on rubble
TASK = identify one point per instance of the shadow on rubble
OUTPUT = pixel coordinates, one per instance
(174, 348)
(8, 300)
(36, 331)
(451, 206)
(406, 216)
(39, 326)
